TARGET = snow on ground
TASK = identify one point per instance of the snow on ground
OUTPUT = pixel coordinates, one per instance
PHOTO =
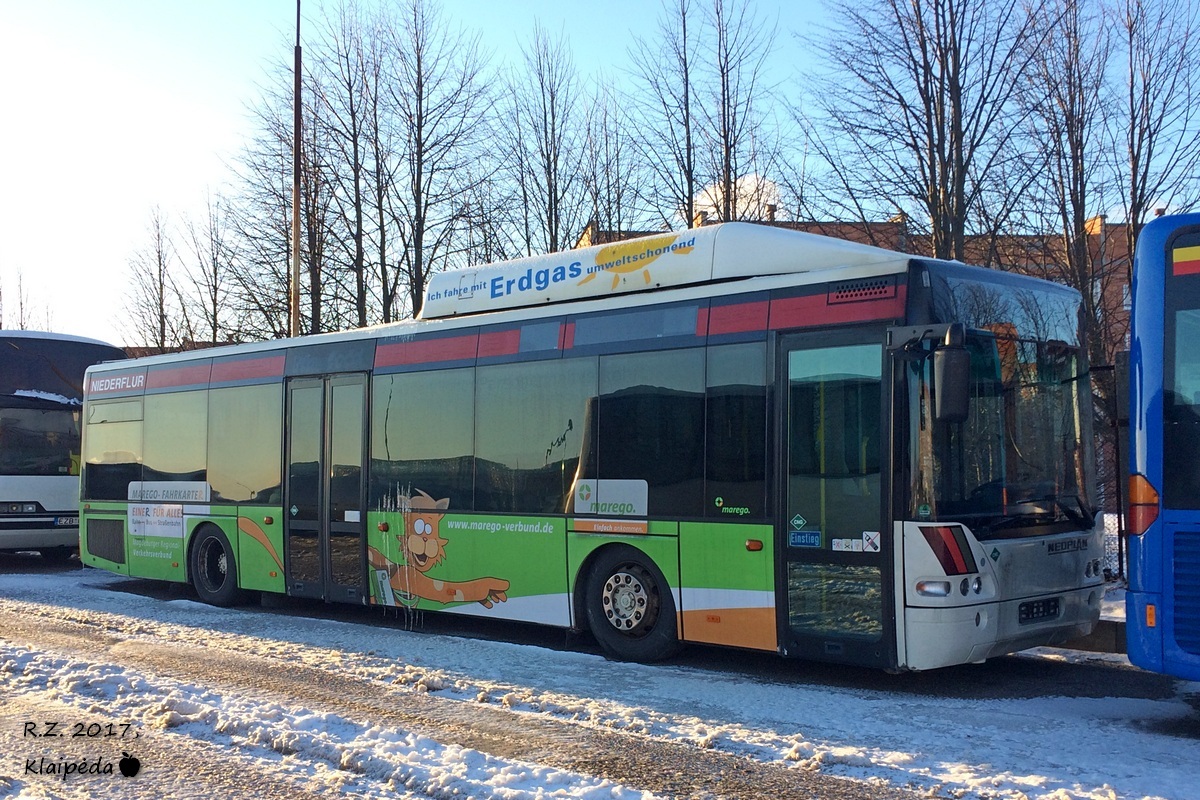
(1053, 748)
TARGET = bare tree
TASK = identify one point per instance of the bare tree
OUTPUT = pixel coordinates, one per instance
(544, 133)
(261, 215)
(439, 99)
(29, 316)
(210, 274)
(664, 65)
(739, 149)
(488, 219)
(153, 314)
(1068, 103)
(342, 109)
(382, 164)
(1067, 106)
(260, 218)
(1161, 123)
(915, 109)
(317, 168)
(610, 171)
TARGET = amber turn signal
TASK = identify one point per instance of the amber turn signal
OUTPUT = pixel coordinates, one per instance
(1143, 504)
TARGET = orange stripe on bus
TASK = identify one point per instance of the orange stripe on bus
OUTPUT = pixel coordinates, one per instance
(251, 529)
(735, 627)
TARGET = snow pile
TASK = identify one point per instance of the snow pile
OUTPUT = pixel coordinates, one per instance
(357, 756)
(37, 394)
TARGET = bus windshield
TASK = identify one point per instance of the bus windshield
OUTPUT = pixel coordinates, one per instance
(38, 437)
(1018, 464)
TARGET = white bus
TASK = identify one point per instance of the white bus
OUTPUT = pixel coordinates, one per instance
(41, 399)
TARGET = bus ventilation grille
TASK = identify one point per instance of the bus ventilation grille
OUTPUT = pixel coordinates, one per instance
(106, 539)
(865, 289)
(1187, 591)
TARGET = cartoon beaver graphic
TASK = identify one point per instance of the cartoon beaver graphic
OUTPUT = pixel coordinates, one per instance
(424, 548)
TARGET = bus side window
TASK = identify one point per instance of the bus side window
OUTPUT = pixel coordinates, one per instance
(735, 458)
(651, 427)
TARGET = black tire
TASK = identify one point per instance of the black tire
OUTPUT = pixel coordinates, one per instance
(214, 570)
(629, 606)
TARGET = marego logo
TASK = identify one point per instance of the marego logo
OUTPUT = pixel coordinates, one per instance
(606, 496)
(611, 508)
(740, 511)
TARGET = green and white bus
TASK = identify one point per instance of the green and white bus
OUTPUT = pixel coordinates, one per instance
(736, 435)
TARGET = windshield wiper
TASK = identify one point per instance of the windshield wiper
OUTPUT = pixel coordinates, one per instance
(1081, 515)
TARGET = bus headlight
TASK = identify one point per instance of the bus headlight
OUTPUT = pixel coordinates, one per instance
(933, 588)
(977, 585)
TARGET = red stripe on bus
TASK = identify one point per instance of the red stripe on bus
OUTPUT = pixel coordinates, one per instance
(739, 318)
(567, 340)
(1191, 267)
(248, 369)
(702, 317)
(190, 375)
(500, 343)
(805, 312)
(426, 351)
(945, 546)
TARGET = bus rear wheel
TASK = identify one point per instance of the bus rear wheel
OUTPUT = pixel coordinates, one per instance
(629, 607)
(214, 569)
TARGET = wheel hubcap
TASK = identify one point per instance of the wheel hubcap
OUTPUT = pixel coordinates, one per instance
(216, 564)
(625, 600)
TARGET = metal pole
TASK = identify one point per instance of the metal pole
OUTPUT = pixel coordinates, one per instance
(294, 293)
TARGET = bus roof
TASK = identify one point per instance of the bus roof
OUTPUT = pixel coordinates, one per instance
(721, 252)
(780, 257)
(52, 337)
(50, 366)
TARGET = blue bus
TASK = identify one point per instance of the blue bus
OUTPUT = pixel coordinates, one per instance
(1163, 601)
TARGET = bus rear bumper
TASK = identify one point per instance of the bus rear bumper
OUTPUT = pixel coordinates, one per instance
(38, 538)
(940, 637)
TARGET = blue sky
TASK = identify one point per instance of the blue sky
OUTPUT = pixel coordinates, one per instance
(115, 107)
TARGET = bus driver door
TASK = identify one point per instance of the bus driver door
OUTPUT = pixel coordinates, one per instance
(324, 498)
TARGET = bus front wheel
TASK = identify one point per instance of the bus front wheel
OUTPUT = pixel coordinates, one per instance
(629, 606)
(214, 570)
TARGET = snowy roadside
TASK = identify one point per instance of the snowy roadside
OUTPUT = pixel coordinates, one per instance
(1083, 748)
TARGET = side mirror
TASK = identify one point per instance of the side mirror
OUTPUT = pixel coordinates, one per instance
(952, 378)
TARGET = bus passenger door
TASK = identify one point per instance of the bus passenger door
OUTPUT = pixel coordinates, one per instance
(833, 541)
(324, 497)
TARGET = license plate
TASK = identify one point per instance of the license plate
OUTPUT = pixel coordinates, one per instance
(63, 522)
(1038, 609)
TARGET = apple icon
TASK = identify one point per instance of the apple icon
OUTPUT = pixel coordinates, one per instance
(129, 765)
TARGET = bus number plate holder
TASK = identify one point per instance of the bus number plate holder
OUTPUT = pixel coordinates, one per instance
(1037, 610)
